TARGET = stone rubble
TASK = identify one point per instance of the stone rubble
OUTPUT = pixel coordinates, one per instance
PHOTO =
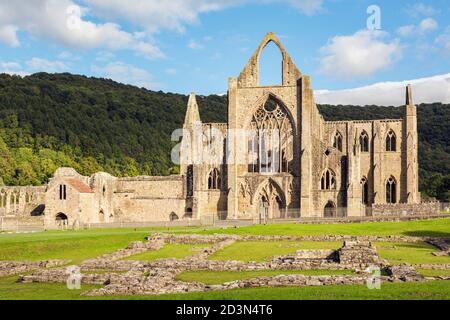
(9, 268)
(125, 277)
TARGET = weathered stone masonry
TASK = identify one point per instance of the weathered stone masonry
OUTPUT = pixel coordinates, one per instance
(320, 168)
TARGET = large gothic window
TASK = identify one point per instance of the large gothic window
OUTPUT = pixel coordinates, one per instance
(328, 181)
(270, 146)
(391, 143)
(364, 142)
(337, 143)
(214, 181)
(391, 190)
(364, 191)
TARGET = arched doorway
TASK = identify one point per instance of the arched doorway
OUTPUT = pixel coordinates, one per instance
(330, 210)
(101, 216)
(188, 213)
(61, 220)
(173, 216)
(270, 202)
(263, 210)
(278, 208)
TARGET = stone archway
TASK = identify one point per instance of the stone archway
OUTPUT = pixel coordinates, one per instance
(61, 220)
(270, 200)
(188, 214)
(330, 210)
(101, 216)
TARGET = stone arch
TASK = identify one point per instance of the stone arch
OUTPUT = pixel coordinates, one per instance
(261, 101)
(101, 216)
(391, 190)
(337, 141)
(173, 216)
(270, 121)
(61, 220)
(391, 141)
(364, 191)
(271, 196)
(270, 57)
(330, 210)
(188, 214)
(364, 141)
(214, 180)
(249, 76)
(328, 180)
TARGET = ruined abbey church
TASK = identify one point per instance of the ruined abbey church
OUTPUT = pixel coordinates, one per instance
(294, 164)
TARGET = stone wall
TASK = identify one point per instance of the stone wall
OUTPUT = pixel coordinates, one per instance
(8, 268)
(406, 209)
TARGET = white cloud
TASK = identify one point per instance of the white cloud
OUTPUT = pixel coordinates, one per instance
(43, 65)
(125, 73)
(420, 9)
(359, 55)
(443, 40)
(59, 21)
(171, 71)
(406, 31)
(425, 26)
(12, 68)
(425, 90)
(8, 35)
(155, 15)
(307, 7)
(194, 45)
(428, 24)
(65, 23)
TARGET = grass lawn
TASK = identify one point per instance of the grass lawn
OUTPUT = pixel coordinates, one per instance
(9, 289)
(413, 253)
(178, 251)
(434, 273)
(219, 277)
(264, 250)
(74, 245)
(432, 228)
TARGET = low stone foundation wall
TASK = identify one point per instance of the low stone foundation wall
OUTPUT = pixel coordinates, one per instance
(406, 209)
(214, 238)
(159, 276)
(9, 268)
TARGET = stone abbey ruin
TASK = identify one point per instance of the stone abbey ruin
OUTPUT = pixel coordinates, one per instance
(294, 164)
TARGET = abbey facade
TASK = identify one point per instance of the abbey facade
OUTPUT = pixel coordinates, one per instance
(292, 164)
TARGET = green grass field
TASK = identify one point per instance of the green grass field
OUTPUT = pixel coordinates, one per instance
(215, 277)
(431, 228)
(264, 250)
(412, 253)
(85, 244)
(178, 251)
(434, 273)
(74, 245)
(437, 290)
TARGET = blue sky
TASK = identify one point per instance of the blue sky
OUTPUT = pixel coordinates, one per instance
(195, 45)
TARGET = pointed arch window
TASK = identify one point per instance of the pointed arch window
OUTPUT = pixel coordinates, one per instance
(364, 191)
(270, 147)
(391, 190)
(214, 180)
(337, 143)
(328, 181)
(391, 141)
(364, 141)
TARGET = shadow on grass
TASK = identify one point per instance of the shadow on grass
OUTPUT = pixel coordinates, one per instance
(427, 233)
